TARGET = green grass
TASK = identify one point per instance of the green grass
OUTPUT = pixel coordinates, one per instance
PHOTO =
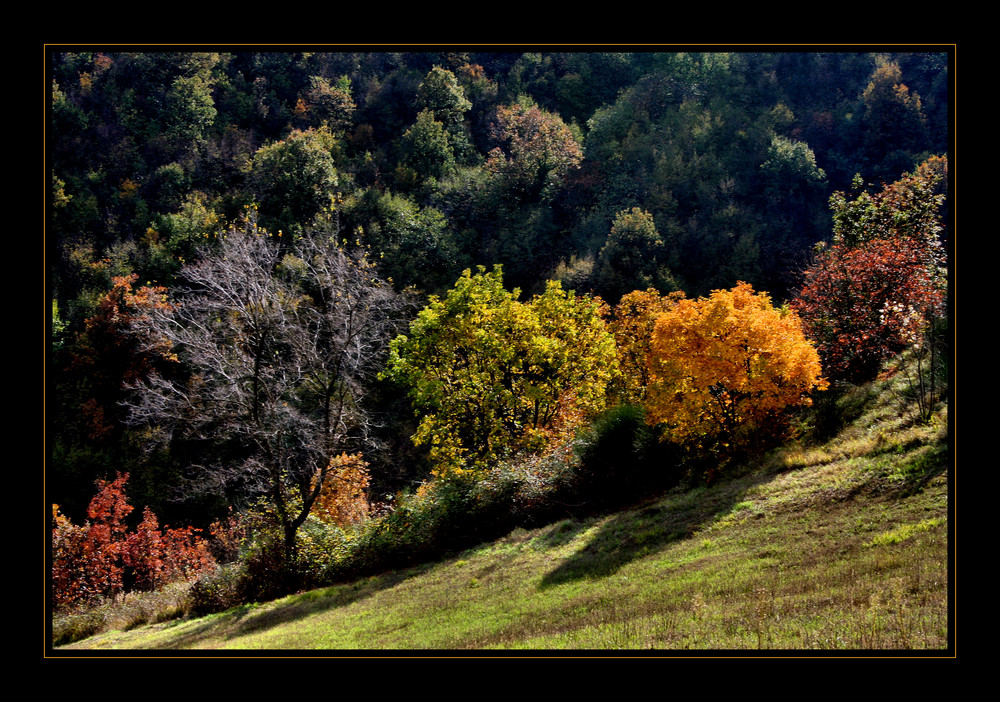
(838, 546)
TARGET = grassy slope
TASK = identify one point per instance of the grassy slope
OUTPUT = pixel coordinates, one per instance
(840, 546)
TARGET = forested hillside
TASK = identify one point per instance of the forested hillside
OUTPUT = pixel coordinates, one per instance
(297, 292)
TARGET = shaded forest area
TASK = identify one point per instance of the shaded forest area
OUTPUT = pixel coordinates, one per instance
(606, 171)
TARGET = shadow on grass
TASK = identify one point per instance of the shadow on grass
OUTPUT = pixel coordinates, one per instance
(250, 619)
(896, 472)
(912, 471)
(562, 533)
(637, 533)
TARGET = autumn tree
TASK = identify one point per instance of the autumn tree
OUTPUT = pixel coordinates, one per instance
(489, 374)
(343, 497)
(632, 324)
(910, 207)
(873, 292)
(109, 353)
(865, 304)
(724, 368)
(281, 349)
(105, 556)
(506, 209)
(91, 365)
(537, 151)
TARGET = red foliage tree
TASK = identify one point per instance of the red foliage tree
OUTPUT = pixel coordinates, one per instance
(153, 557)
(873, 292)
(102, 558)
(865, 304)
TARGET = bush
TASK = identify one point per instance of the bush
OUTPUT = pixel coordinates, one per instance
(217, 591)
(402, 537)
(154, 557)
(343, 497)
(622, 458)
(619, 458)
(263, 569)
(448, 513)
(76, 626)
(125, 612)
(460, 509)
(321, 547)
(267, 573)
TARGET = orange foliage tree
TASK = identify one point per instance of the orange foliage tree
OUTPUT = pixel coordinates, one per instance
(723, 368)
(632, 326)
(343, 498)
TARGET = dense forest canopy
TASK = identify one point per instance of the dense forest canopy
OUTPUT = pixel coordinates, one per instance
(607, 171)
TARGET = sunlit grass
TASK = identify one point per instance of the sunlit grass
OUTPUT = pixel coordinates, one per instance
(840, 546)
(859, 575)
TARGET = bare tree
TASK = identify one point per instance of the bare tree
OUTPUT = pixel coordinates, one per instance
(281, 348)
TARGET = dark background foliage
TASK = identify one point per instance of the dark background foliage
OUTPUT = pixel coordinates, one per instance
(731, 157)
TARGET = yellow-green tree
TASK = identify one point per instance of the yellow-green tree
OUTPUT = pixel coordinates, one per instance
(490, 375)
(723, 369)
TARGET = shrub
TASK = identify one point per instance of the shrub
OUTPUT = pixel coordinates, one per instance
(227, 537)
(153, 557)
(401, 537)
(622, 458)
(217, 590)
(265, 570)
(128, 611)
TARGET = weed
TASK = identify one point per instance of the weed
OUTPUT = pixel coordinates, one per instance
(124, 612)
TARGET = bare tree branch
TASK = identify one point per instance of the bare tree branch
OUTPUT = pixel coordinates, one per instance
(280, 350)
